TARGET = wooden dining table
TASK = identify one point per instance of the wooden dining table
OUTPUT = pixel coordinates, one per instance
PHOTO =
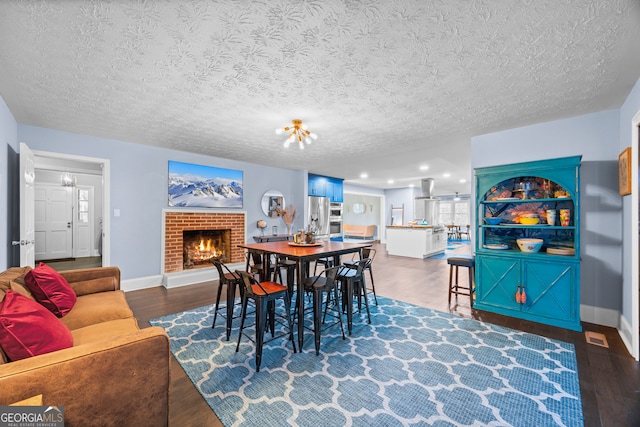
(303, 254)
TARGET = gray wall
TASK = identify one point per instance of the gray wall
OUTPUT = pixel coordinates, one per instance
(139, 176)
(630, 224)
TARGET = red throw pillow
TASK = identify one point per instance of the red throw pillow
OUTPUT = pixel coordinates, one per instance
(28, 329)
(50, 289)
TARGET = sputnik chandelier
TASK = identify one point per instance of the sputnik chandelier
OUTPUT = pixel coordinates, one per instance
(299, 132)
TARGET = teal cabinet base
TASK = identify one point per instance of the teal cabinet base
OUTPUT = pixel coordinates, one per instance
(567, 324)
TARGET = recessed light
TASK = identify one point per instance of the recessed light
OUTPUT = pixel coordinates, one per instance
(411, 185)
(424, 167)
(462, 181)
(446, 174)
(390, 181)
(364, 175)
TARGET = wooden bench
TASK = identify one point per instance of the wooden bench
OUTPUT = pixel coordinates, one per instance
(362, 231)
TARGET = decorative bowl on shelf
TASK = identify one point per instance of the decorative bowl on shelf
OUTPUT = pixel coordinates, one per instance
(529, 221)
(493, 221)
(529, 245)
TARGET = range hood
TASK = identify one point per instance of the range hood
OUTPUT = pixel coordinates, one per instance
(427, 189)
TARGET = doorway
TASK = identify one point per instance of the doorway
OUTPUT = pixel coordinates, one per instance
(71, 210)
(364, 209)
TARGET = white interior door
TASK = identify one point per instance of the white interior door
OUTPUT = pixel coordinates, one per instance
(53, 221)
(27, 211)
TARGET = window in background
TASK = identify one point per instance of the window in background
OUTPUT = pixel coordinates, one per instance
(454, 212)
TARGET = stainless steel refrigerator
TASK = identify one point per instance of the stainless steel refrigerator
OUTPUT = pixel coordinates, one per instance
(319, 215)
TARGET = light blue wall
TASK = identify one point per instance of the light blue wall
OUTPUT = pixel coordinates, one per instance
(139, 176)
(628, 110)
(360, 189)
(396, 198)
(594, 137)
(8, 142)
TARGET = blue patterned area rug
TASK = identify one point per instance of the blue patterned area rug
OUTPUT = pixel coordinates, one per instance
(411, 366)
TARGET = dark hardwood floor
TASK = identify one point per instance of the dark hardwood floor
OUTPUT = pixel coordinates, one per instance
(609, 377)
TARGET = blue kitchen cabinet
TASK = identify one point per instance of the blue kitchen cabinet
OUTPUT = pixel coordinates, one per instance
(325, 186)
(550, 278)
(317, 185)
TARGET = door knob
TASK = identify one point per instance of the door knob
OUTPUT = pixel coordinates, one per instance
(15, 242)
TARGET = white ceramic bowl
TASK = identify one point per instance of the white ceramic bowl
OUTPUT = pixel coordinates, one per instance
(529, 245)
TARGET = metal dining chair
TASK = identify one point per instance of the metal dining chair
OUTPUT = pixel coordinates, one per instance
(371, 254)
(263, 295)
(352, 282)
(324, 284)
(230, 279)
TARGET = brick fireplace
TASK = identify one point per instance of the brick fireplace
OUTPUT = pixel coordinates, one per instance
(176, 222)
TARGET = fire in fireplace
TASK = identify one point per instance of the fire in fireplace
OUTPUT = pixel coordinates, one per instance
(199, 247)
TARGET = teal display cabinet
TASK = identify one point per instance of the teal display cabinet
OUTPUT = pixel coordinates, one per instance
(542, 286)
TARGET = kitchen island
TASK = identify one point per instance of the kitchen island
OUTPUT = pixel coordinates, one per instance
(415, 241)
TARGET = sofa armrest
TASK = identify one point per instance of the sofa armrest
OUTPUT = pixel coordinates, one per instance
(93, 280)
(122, 381)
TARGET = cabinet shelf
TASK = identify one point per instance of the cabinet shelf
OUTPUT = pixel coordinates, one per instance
(518, 253)
(518, 201)
(530, 227)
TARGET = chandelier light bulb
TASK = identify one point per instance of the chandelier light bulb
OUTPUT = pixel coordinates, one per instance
(297, 132)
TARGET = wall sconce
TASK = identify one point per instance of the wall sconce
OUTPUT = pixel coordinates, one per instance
(67, 179)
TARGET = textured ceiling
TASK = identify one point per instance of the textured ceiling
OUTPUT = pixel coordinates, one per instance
(388, 86)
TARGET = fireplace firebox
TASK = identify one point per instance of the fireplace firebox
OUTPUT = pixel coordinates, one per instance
(199, 247)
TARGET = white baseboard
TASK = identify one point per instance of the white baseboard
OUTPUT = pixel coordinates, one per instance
(141, 283)
(626, 333)
(175, 280)
(599, 315)
(191, 277)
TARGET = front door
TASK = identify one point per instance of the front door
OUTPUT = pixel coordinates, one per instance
(53, 221)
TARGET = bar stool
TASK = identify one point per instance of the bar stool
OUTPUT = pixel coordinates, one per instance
(455, 288)
(264, 294)
(231, 280)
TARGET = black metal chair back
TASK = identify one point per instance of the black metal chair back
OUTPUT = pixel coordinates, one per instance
(264, 295)
(226, 278)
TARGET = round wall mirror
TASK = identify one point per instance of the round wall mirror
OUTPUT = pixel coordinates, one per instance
(272, 200)
(359, 208)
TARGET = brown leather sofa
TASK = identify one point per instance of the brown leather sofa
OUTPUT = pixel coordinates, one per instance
(115, 373)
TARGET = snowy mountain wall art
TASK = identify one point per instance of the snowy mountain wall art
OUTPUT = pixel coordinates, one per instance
(200, 186)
